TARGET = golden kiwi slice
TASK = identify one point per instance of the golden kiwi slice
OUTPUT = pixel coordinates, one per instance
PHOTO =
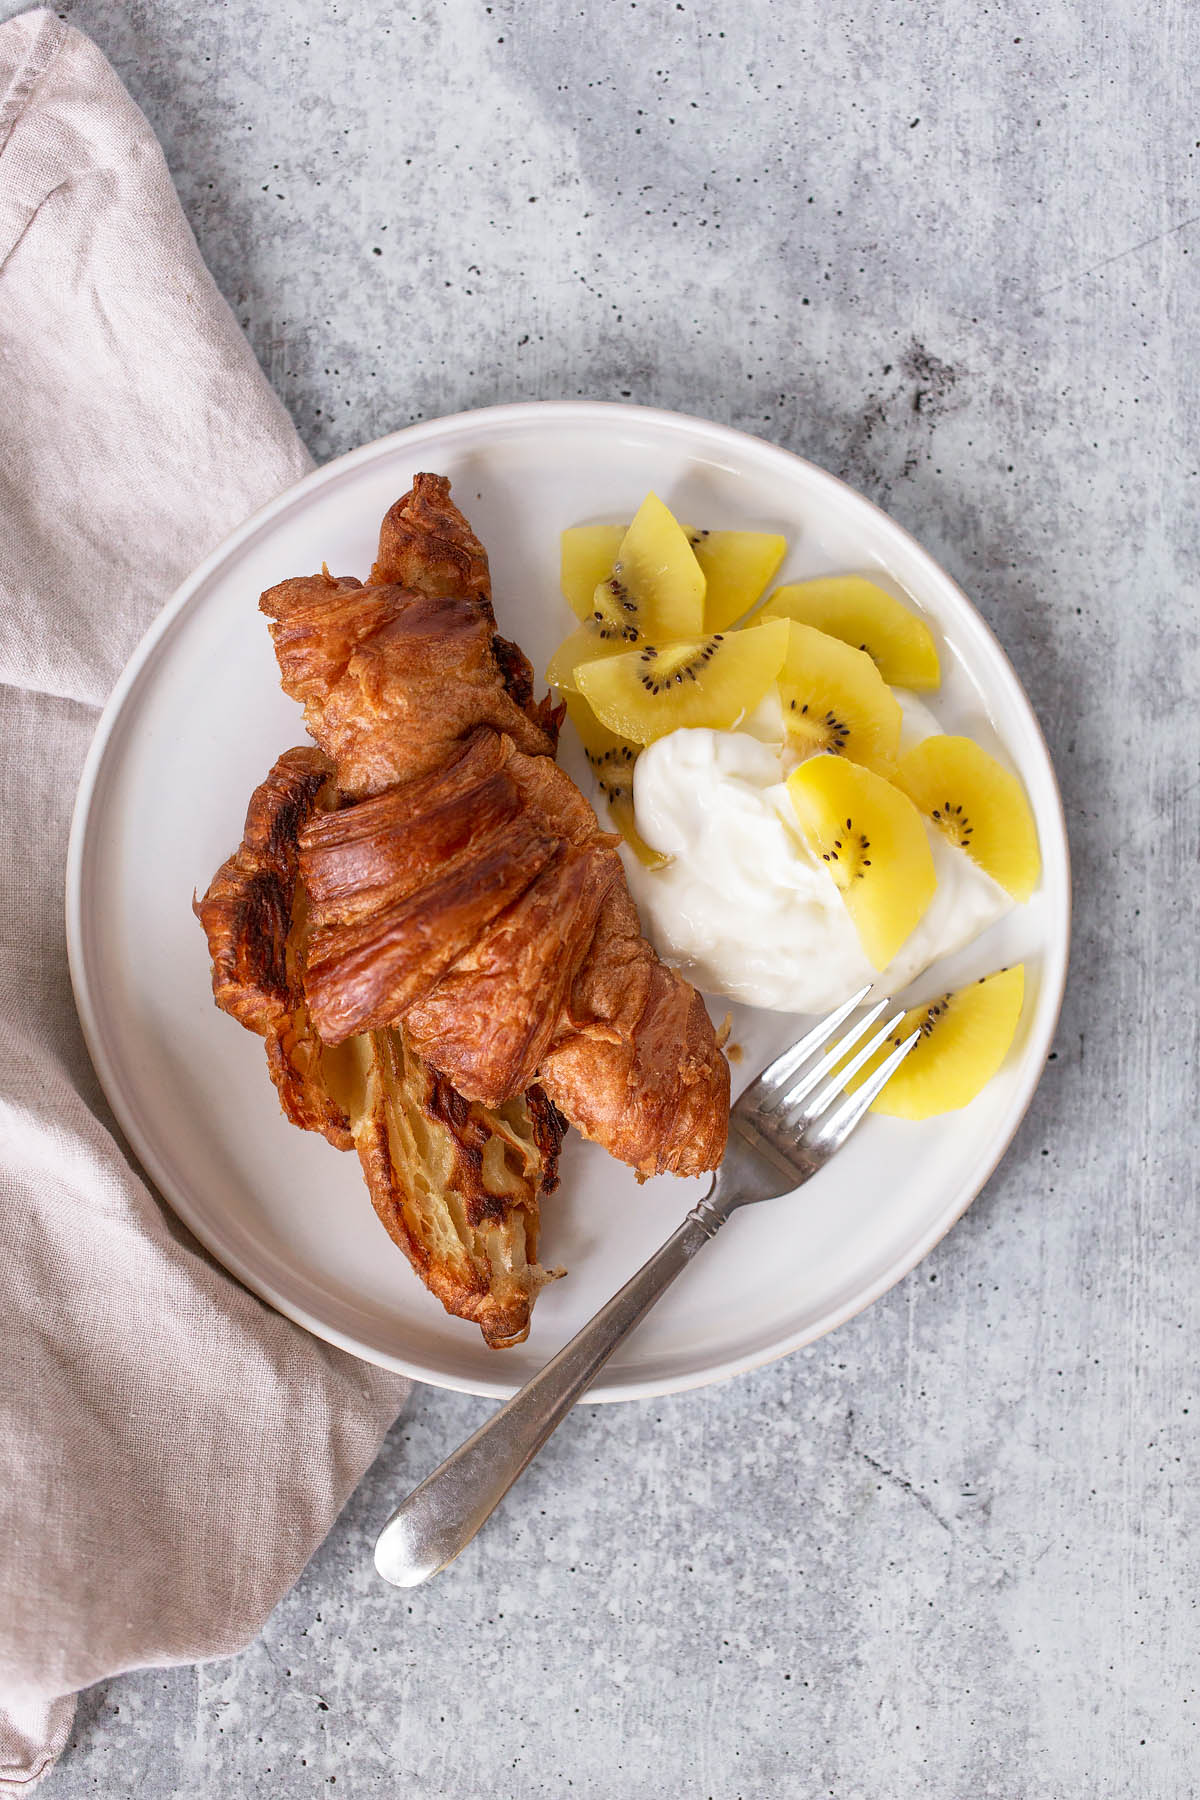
(709, 681)
(835, 699)
(656, 588)
(868, 618)
(582, 646)
(737, 565)
(588, 554)
(965, 1036)
(871, 839)
(978, 805)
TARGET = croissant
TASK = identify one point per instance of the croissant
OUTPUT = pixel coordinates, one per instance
(456, 1184)
(467, 890)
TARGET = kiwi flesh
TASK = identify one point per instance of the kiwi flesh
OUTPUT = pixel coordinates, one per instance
(611, 759)
(866, 616)
(701, 682)
(588, 554)
(870, 838)
(656, 588)
(737, 566)
(965, 1037)
(835, 699)
(978, 805)
(583, 645)
(616, 613)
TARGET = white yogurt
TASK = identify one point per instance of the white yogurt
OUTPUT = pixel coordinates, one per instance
(744, 908)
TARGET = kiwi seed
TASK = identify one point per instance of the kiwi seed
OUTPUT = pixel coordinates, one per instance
(837, 728)
(934, 1011)
(855, 843)
(687, 671)
(609, 629)
(954, 822)
(612, 769)
(621, 594)
(620, 758)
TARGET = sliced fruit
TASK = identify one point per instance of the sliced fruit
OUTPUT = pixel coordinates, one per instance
(649, 588)
(964, 1039)
(611, 759)
(978, 805)
(835, 699)
(582, 646)
(656, 588)
(588, 555)
(865, 616)
(737, 566)
(871, 838)
(706, 681)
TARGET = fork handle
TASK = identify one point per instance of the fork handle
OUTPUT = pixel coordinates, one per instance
(440, 1517)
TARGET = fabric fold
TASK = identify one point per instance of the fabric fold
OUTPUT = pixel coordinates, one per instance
(174, 1450)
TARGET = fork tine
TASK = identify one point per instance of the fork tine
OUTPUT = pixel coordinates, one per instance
(841, 1122)
(832, 1057)
(786, 1065)
(837, 1081)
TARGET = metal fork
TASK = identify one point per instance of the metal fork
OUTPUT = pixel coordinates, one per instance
(787, 1124)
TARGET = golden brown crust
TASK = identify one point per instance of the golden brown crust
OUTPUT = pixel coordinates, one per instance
(441, 890)
(393, 674)
(367, 969)
(636, 1065)
(495, 1012)
(390, 680)
(257, 960)
(427, 546)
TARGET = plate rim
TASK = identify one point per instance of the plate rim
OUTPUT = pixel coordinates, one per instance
(327, 475)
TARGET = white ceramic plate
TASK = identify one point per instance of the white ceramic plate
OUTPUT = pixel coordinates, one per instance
(198, 718)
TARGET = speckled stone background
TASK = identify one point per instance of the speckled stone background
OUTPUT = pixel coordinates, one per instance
(948, 251)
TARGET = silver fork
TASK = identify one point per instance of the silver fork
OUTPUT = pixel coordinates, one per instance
(787, 1124)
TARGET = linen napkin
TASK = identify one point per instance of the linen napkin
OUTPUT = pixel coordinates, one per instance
(173, 1451)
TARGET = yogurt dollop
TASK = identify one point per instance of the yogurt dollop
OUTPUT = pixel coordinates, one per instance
(744, 908)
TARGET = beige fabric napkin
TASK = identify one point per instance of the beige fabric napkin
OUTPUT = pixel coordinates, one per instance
(173, 1451)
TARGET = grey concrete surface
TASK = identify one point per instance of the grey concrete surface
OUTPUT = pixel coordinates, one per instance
(948, 251)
